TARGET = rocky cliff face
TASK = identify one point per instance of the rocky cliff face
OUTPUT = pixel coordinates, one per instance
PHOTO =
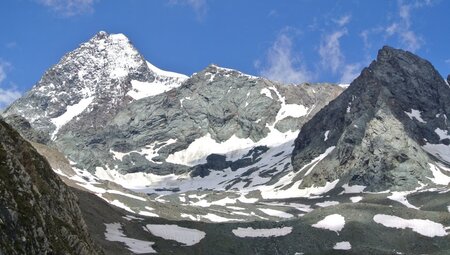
(38, 213)
(386, 131)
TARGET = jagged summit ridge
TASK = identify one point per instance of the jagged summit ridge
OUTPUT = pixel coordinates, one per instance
(383, 131)
(90, 84)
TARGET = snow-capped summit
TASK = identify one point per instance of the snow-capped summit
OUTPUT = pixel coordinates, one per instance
(90, 84)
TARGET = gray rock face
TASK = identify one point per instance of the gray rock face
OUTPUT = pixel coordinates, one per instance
(385, 128)
(216, 102)
(38, 213)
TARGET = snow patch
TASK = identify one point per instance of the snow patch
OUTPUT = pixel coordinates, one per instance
(415, 114)
(333, 222)
(164, 73)
(342, 246)
(216, 218)
(441, 151)
(262, 232)
(114, 234)
(316, 161)
(325, 136)
(327, 203)
(186, 236)
(353, 189)
(266, 92)
(276, 213)
(356, 199)
(146, 89)
(422, 227)
(439, 177)
(71, 112)
(148, 214)
(119, 204)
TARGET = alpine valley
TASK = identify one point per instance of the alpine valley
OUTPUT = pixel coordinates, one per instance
(116, 156)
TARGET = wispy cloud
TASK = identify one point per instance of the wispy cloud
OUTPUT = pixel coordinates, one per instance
(200, 7)
(403, 26)
(282, 64)
(330, 50)
(344, 20)
(350, 72)
(3, 66)
(7, 95)
(69, 8)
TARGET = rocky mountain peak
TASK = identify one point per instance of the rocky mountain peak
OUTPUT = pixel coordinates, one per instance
(390, 119)
(90, 84)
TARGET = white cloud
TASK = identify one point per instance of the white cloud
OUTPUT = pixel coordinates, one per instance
(330, 50)
(3, 66)
(402, 27)
(7, 95)
(350, 72)
(282, 64)
(69, 7)
(344, 20)
(199, 6)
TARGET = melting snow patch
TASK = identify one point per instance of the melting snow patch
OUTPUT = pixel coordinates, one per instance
(415, 114)
(121, 205)
(71, 112)
(327, 203)
(333, 222)
(326, 135)
(126, 194)
(189, 216)
(443, 134)
(276, 213)
(266, 92)
(186, 236)
(316, 161)
(353, 189)
(422, 227)
(60, 173)
(146, 89)
(216, 218)
(356, 199)
(440, 151)
(148, 214)
(438, 177)
(160, 72)
(342, 246)
(262, 232)
(400, 196)
(114, 233)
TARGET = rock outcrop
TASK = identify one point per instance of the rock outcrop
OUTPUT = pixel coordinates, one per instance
(38, 212)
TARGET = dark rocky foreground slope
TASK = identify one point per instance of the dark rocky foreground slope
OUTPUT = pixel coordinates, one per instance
(38, 212)
(385, 131)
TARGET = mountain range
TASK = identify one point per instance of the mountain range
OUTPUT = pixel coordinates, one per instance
(221, 162)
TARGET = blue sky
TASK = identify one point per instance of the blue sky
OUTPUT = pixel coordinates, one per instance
(290, 40)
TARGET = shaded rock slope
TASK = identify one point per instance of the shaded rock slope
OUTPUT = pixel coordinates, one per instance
(38, 212)
(388, 130)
